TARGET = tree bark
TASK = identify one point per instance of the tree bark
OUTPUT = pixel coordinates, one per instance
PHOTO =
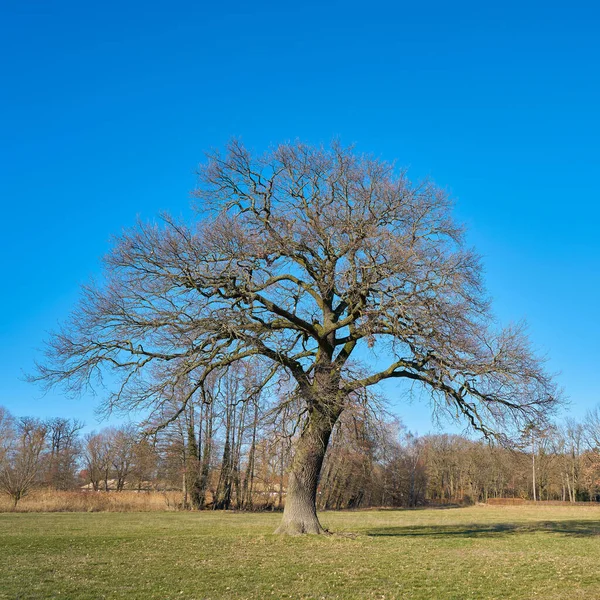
(192, 467)
(206, 455)
(300, 512)
(224, 487)
(248, 487)
(533, 468)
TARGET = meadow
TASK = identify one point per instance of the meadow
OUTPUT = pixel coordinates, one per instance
(456, 553)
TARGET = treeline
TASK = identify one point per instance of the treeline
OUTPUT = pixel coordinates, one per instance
(391, 467)
(232, 450)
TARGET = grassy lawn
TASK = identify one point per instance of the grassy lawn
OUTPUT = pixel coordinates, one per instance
(480, 552)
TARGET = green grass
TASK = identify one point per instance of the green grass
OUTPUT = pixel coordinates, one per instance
(479, 552)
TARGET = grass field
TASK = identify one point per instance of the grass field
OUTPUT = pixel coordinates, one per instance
(479, 552)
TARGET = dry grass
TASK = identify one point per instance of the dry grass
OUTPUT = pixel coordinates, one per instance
(524, 502)
(79, 501)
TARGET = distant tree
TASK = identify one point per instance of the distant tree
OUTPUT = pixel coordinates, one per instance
(22, 457)
(348, 476)
(145, 462)
(530, 435)
(97, 461)
(446, 469)
(122, 445)
(591, 442)
(7, 434)
(63, 452)
(591, 429)
(412, 463)
(302, 257)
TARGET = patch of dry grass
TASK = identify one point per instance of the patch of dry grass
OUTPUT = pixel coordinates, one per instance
(83, 501)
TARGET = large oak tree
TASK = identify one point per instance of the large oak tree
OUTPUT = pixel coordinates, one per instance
(333, 268)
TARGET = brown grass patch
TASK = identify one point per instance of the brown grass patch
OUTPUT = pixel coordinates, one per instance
(83, 501)
(523, 502)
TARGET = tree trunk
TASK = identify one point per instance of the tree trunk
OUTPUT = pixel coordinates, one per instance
(184, 490)
(248, 488)
(237, 453)
(300, 512)
(533, 476)
(281, 471)
(223, 496)
(192, 469)
(206, 455)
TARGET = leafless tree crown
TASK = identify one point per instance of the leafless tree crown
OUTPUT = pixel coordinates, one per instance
(306, 257)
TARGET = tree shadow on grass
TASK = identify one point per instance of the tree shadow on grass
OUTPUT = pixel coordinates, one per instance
(495, 530)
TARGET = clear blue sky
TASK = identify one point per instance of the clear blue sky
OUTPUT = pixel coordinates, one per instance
(107, 108)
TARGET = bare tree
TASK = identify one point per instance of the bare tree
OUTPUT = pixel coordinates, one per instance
(412, 461)
(122, 442)
(64, 452)
(22, 458)
(145, 461)
(591, 429)
(96, 458)
(205, 448)
(302, 257)
(7, 434)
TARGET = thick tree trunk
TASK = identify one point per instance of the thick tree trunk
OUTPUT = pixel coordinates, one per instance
(300, 512)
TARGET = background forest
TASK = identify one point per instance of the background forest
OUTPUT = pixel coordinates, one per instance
(231, 450)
